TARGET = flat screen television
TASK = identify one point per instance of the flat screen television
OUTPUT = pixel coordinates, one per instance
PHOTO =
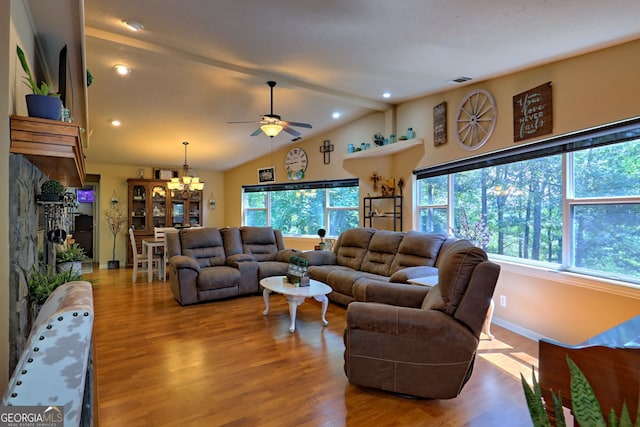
(85, 196)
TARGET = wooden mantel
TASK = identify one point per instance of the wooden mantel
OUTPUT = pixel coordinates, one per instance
(52, 146)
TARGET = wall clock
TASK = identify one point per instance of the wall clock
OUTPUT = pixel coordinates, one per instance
(295, 163)
(476, 119)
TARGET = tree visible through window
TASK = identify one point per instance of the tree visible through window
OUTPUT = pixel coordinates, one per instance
(589, 222)
(302, 209)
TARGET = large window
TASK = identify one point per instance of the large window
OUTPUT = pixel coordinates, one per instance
(301, 209)
(571, 203)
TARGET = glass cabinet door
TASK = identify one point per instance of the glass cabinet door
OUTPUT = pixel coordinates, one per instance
(194, 208)
(159, 206)
(139, 207)
(177, 209)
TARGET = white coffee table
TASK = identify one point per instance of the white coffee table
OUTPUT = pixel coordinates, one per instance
(295, 295)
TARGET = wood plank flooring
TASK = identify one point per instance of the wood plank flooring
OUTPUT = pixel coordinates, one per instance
(225, 364)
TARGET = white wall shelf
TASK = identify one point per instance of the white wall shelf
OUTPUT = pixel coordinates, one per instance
(385, 150)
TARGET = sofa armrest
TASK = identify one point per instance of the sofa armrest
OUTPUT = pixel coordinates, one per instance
(320, 257)
(404, 321)
(182, 261)
(284, 254)
(405, 274)
(233, 260)
(396, 294)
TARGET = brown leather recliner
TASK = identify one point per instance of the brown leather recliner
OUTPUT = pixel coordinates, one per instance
(425, 344)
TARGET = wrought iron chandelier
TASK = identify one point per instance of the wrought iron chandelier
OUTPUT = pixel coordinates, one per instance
(188, 182)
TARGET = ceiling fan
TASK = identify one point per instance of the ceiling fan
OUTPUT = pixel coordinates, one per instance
(272, 124)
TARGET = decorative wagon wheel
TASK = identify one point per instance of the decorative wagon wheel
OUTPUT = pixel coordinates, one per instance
(476, 119)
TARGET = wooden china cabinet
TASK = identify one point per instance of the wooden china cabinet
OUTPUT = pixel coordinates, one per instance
(151, 204)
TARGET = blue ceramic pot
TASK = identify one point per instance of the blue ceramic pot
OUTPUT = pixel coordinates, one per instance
(44, 107)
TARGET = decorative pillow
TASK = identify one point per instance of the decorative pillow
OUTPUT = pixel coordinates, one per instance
(455, 271)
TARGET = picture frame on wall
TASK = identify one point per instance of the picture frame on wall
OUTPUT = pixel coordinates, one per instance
(165, 174)
(267, 174)
(440, 124)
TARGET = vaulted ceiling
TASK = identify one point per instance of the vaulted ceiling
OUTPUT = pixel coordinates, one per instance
(198, 64)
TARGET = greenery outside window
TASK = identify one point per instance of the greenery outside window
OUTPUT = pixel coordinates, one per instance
(300, 209)
(570, 203)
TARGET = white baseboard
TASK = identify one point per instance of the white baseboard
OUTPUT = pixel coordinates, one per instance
(518, 329)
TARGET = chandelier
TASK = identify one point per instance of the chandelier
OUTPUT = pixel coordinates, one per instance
(189, 182)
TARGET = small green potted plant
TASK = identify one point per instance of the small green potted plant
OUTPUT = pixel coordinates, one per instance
(43, 102)
(43, 281)
(70, 258)
(52, 190)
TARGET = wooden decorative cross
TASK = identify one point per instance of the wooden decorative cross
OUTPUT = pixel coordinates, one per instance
(326, 148)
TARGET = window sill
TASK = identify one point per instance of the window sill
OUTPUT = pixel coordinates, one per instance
(615, 287)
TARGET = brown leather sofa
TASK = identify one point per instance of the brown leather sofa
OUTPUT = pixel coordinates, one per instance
(363, 257)
(422, 342)
(208, 263)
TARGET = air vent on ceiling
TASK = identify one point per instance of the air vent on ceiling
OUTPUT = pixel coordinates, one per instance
(460, 79)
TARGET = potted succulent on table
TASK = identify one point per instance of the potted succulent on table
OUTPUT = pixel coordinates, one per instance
(115, 220)
(70, 258)
(43, 103)
(52, 190)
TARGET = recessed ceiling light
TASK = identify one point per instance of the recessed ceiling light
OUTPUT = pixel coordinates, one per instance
(116, 123)
(122, 69)
(386, 95)
(133, 25)
(335, 115)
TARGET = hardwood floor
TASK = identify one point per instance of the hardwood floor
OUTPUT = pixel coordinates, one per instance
(225, 364)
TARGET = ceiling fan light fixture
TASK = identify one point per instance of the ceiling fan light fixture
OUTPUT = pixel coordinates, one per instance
(271, 129)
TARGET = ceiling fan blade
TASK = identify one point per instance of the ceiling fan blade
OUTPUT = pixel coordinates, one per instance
(300, 125)
(290, 131)
(256, 132)
(246, 121)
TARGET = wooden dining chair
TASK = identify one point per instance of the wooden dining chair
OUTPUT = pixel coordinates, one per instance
(141, 259)
(159, 234)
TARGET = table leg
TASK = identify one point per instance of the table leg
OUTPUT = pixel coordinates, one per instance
(294, 302)
(265, 296)
(486, 328)
(325, 303)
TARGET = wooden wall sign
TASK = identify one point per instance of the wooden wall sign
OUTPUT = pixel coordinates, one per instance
(440, 124)
(532, 113)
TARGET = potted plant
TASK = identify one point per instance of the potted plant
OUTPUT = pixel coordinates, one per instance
(52, 190)
(43, 103)
(115, 220)
(43, 281)
(585, 406)
(70, 258)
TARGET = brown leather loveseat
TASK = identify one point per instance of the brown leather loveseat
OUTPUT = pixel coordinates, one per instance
(209, 263)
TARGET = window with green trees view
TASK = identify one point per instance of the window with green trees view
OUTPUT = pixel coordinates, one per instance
(301, 209)
(516, 204)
